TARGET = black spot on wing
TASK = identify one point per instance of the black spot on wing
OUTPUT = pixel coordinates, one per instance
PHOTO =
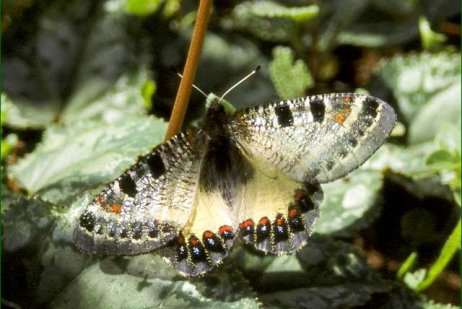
(137, 230)
(152, 229)
(127, 185)
(318, 109)
(212, 242)
(156, 165)
(123, 233)
(87, 221)
(280, 229)
(352, 141)
(370, 107)
(284, 115)
(295, 219)
(197, 250)
(330, 165)
(369, 112)
(263, 229)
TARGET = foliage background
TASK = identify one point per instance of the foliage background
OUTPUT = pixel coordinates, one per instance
(88, 86)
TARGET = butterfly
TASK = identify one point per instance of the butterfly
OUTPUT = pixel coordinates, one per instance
(251, 176)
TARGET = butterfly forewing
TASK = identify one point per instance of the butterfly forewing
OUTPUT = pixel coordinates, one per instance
(322, 137)
(143, 208)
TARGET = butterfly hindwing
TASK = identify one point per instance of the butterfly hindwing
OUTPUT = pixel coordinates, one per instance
(283, 211)
(322, 137)
(143, 208)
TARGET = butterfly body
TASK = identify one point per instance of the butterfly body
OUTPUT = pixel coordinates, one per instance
(251, 176)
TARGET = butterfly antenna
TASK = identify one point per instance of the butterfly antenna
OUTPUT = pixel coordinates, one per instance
(240, 82)
(194, 86)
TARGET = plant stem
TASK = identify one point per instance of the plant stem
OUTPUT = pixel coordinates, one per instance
(449, 249)
(184, 90)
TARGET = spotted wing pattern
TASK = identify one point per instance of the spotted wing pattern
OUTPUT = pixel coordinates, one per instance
(282, 213)
(253, 177)
(270, 212)
(145, 207)
(207, 237)
(321, 137)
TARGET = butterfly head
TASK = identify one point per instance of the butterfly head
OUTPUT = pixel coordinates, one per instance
(218, 113)
(213, 100)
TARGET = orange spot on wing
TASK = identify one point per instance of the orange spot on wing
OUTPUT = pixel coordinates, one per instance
(180, 239)
(264, 221)
(299, 194)
(208, 234)
(116, 208)
(340, 118)
(193, 241)
(100, 199)
(245, 224)
(348, 99)
(279, 220)
(224, 229)
(293, 213)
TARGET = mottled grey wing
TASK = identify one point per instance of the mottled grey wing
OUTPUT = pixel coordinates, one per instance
(145, 207)
(321, 137)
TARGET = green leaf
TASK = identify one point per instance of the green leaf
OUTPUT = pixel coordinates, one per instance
(374, 34)
(413, 279)
(273, 30)
(149, 88)
(324, 274)
(427, 90)
(74, 158)
(451, 246)
(440, 109)
(342, 15)
(347, 201)
(290, 79)
(142, 7)
(25, 222)
(8, 143)
(23, 113)
(98, 100)
(272, 9)
(430, 39)
(90, 290)
(407, 265)
(73, 44)
(442, 160)
(440, 156)
(430, 304)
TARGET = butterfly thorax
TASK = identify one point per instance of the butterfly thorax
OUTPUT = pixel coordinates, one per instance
(226, 167)
(214, 123)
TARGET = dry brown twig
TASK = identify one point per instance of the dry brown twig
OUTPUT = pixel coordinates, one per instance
(192, 61)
